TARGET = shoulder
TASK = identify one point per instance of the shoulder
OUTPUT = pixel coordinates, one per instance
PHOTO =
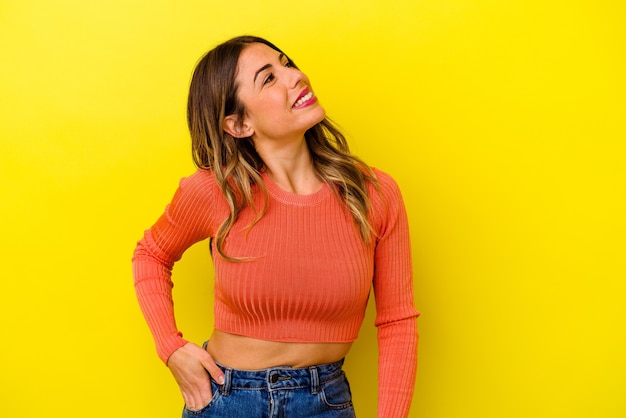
(383, 177)
(202, 183)
(200, 179)
(386, 200)
(199, 188)
(387, 187)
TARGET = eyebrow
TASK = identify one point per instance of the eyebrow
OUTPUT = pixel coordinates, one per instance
(265, 67)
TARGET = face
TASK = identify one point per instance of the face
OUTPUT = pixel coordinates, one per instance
(278, 98)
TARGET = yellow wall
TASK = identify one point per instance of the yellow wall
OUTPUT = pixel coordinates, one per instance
(503, 122)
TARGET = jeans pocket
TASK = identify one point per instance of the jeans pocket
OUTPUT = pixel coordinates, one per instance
(215, 389)
(336, 393)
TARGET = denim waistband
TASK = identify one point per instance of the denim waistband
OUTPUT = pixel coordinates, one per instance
(280, 378)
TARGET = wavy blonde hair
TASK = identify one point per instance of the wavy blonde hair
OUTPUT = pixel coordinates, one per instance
(236, 164)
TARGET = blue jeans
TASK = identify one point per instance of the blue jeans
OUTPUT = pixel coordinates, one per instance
(282, 392)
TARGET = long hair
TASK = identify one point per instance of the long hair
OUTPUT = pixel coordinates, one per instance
(234, 161)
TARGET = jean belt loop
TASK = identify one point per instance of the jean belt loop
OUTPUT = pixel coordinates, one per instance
(315, 380)
(228, 381)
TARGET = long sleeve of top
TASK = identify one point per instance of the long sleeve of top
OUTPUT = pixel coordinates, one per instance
(307, 277)
(395, 315)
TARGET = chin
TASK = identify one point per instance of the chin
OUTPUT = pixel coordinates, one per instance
(321, 114)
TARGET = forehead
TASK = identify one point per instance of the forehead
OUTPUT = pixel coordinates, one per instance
(255, 56)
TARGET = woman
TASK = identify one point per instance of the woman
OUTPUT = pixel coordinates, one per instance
(300, 229)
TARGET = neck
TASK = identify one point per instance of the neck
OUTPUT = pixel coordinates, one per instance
(290, 166)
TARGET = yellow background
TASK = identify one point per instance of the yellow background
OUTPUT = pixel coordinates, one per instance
(503, 122)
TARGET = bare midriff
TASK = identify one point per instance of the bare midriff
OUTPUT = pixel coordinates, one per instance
(245, 353)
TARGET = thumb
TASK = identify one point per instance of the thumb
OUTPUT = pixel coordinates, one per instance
(216, 373)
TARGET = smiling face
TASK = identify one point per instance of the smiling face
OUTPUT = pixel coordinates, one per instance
(278, 99)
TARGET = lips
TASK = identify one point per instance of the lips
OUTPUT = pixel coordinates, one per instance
(306, 97)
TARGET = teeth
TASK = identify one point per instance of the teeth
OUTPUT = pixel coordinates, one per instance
(303, 99)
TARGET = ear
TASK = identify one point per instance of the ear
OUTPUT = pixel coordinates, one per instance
(236, 128)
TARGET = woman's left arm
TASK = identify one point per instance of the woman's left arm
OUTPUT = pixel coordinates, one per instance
(395, 310)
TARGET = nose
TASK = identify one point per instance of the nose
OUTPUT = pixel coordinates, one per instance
(294, 77)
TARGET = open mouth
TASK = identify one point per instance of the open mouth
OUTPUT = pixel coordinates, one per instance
(302, 100)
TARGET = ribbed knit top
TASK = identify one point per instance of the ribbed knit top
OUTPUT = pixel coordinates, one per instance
(307, 276)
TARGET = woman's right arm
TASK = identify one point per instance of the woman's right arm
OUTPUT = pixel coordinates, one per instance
(187, 219)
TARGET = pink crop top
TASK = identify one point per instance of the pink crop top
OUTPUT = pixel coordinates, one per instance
(308, 278)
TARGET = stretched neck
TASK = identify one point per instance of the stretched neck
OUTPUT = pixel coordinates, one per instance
(290, 166)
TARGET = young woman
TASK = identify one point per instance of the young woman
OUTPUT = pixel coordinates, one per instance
(300, 230)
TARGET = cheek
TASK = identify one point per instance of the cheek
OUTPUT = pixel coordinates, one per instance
(270, 108)
(265, 117)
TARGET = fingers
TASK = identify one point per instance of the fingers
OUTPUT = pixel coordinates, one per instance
(198, 393)
(187, 366)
